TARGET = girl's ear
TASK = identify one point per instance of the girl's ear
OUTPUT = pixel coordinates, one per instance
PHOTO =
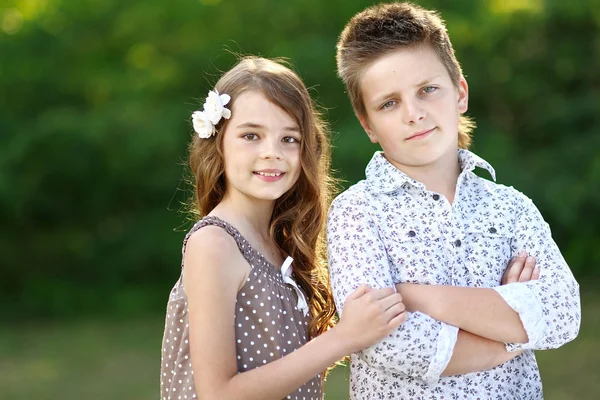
(463, 95)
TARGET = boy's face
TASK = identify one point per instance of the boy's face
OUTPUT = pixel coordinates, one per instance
(412, 108)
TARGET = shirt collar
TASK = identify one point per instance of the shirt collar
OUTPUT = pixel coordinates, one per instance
(384, 177)
(469, 161)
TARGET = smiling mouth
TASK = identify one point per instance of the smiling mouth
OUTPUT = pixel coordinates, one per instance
(269, 173)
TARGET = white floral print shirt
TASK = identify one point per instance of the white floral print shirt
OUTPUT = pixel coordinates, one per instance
(389, 229)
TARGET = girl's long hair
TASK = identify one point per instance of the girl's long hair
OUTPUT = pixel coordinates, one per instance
(298, 220)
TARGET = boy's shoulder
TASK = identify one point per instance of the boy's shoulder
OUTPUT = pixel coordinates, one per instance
(482, 185)
(497, 194)
(499, 189)
(356, 194)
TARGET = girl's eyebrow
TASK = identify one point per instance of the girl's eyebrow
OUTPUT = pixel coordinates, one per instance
(254, 125)
(250, 125)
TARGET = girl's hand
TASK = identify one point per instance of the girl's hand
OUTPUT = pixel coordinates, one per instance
(521, 269)
(370, 315)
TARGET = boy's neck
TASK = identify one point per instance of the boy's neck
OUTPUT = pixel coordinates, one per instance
(439, 177)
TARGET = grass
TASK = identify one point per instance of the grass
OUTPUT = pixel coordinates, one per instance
(119, 359)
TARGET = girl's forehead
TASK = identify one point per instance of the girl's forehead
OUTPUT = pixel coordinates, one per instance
(253, 106)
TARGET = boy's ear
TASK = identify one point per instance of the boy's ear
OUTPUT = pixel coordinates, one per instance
(365, 124)
(463, 95)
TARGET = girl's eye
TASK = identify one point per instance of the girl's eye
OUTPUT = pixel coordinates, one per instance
(388, 104)
(290, 139)
(250, 136)
(429, 89)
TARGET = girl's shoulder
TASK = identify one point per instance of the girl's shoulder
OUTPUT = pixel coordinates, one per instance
(215, 237)
(210, 234)
(213, 231)
(211, 252)
(213, 228)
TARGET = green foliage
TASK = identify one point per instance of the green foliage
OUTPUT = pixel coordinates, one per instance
(95, 98)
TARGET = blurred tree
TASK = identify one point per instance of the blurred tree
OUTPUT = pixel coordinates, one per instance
(95, 98)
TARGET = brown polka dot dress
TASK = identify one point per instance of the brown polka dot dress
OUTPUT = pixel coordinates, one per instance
(269, 323)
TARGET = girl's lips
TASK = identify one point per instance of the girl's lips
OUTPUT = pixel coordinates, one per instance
(420, 135)
(267, 176)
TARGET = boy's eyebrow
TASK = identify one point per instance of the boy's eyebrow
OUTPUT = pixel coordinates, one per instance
(428, 80)
(255, 125)
(391, 94)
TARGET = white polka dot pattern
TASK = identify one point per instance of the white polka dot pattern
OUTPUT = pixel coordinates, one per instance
(389, 228)
(268, 324)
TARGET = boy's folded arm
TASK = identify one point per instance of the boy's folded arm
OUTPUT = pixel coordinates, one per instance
(538, 314)
(549, 307)
(481, 311)
(474, 353)
(421, 347)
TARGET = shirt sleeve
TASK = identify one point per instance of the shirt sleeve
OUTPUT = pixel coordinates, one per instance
(421, 347)
(549, 308)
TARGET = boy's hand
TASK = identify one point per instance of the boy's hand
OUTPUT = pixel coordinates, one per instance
(520, 269)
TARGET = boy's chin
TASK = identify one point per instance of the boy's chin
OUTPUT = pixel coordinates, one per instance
(418, 160)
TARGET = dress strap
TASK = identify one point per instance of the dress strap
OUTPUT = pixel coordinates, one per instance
(283, 275)
(241, 242)
(254, 258)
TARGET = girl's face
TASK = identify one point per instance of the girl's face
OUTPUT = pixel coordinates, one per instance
(261, 146)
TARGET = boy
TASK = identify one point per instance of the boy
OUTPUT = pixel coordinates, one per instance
(424, 222)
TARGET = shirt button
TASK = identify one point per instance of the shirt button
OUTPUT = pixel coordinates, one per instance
(493, 230)
(436, 197)
(457, 243)
(412, 233)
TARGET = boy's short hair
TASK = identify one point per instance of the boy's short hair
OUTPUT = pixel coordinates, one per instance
(383, 28)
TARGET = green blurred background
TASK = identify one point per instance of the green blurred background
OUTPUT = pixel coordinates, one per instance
(95, 100)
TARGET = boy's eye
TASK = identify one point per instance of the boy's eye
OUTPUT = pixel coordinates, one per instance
(387, 104)
(429, 89)
(290, 139)
(250, 136)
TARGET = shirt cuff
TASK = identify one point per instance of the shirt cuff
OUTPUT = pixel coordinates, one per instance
(525, 302)
(445, 347)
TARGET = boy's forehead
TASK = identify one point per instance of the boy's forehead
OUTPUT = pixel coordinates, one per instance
(402, 68)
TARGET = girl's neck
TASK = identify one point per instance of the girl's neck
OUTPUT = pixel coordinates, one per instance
(252, 217)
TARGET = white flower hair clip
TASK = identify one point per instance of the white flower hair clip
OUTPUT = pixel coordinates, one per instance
(214, 109)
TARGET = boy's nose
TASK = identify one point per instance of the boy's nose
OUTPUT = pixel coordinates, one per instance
(412, 113)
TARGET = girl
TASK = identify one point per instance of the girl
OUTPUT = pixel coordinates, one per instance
(252, 314)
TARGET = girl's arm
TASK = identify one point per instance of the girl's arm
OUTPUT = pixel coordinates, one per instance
(213, 272)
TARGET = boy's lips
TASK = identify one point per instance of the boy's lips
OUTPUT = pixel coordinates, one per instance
(420, 134)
